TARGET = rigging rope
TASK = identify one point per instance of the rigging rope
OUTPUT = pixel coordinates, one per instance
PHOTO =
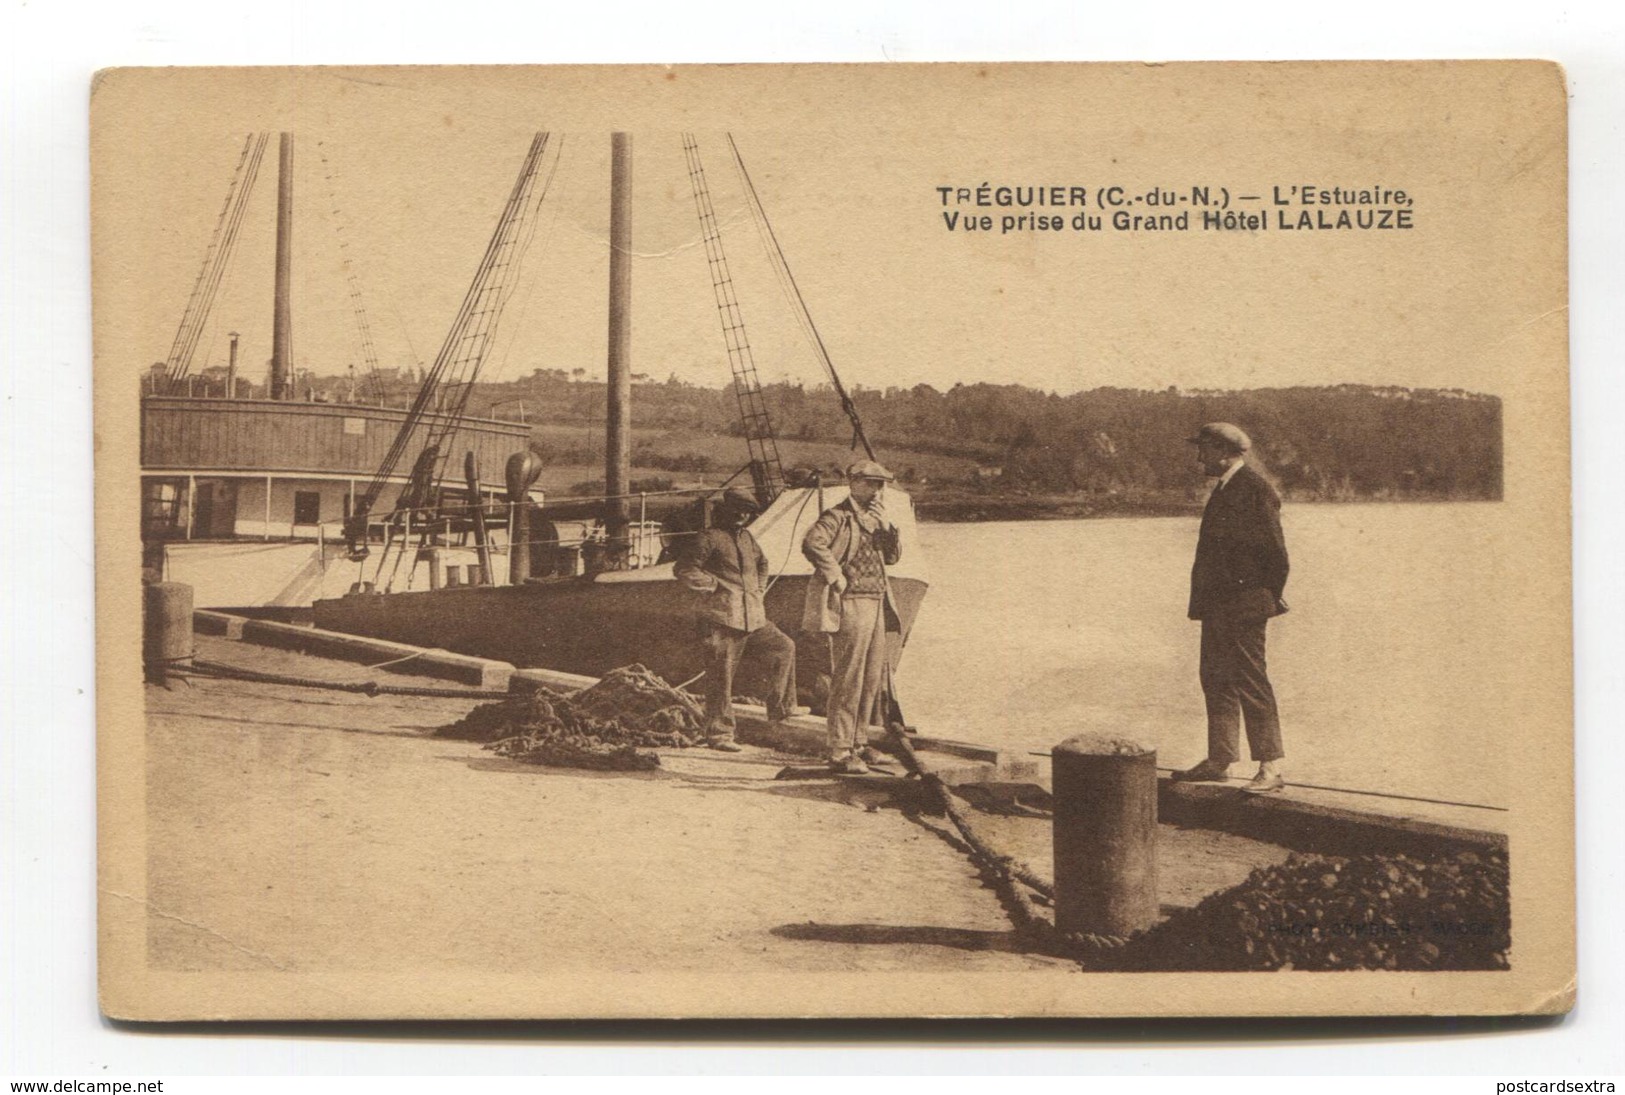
(215, 261)
(369, 352)
(458, 362)
(524, 252)
(791, 541)
(787, 282)
(487, 298)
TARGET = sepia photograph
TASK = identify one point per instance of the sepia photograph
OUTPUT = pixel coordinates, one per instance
(833, 541)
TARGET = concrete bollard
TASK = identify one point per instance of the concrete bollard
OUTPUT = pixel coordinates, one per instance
(166, 637)
(1105, 835)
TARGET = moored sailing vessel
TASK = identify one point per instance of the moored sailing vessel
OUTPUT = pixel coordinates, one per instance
(481, 563)
(611, 604)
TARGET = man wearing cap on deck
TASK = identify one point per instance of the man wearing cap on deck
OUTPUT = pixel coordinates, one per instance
(725, 564)
(1236, 585)
(850, 600)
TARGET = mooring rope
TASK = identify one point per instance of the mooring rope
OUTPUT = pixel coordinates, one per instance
(1006, 871)
(1009, 874)
(219, 670)
(397, 661)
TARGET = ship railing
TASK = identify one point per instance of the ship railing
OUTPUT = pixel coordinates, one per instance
(650, 537)
(573, 527)
(206, 387)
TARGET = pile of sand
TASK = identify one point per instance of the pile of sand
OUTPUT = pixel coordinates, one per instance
(612, 725)
(1321, 913)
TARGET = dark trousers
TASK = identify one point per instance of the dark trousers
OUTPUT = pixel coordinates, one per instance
(1236, 684)
(725, 646)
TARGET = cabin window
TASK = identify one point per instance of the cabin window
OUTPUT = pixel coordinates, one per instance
(307, 507)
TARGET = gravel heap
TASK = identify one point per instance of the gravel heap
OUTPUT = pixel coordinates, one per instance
(1373, 912)
(611, 725)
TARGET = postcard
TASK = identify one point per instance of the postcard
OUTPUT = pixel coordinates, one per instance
(945, 540)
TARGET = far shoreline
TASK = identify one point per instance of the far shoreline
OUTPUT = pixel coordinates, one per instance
(977, 510)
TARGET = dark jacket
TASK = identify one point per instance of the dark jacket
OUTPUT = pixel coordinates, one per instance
(1241, 564)
(829, 545)
(728, 568)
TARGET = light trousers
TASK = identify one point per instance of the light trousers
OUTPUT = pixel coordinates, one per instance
(857, 674)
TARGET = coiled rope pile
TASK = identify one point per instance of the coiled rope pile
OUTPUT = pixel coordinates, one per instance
(612, 725)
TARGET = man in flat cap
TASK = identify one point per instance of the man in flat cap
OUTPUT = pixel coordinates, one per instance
(849, 599)
(1236, 586)
(725, 564)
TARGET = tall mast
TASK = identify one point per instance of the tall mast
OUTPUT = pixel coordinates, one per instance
(282, 319)
(618, 432)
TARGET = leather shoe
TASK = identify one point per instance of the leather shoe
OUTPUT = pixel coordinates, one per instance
(849, 765)
(1265, 783)
(725, 745)
(870, 755)
(1207, 772)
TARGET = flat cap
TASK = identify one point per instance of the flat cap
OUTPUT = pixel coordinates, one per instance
(741, 499)
(868, 469)
(1223, 433)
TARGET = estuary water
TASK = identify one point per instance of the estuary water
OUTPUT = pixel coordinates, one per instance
(1391, 668)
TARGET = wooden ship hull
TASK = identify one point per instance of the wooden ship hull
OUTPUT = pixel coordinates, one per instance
(578, 625)
(590, 624)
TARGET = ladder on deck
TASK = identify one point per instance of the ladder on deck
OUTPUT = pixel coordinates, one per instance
(766, 470)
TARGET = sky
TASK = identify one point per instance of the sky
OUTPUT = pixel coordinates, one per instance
(410, 176)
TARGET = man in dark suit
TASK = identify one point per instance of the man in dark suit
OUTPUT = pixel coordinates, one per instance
(1236, 585)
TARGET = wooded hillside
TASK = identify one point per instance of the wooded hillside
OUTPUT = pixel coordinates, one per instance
(1346, 442)
(1334, 443)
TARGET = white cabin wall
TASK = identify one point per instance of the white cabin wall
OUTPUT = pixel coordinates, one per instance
(251, 512)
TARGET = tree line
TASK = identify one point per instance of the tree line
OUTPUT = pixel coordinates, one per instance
(1337, 442)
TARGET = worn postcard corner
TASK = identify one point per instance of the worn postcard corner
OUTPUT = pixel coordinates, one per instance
(816, 541)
